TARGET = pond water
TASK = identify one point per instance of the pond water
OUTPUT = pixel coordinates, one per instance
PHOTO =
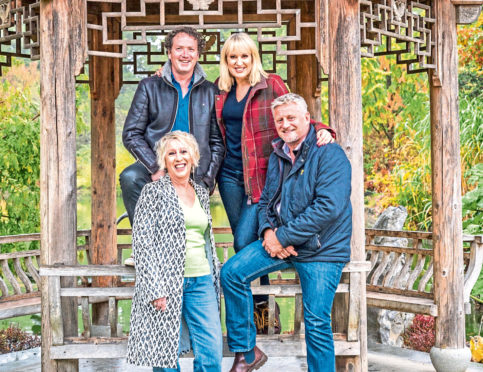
(473, 321)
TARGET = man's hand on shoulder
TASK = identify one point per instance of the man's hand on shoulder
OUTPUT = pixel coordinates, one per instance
(156, 176)
(159, 72)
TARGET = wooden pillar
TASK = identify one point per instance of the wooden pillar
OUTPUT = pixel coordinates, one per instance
(345, 116)
(104, 75)
(302, 72)
(62, 53)
(446, 183)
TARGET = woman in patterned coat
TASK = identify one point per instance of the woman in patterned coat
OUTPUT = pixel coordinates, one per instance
(176, 296)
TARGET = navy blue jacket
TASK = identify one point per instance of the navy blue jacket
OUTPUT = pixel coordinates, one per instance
(316, 212)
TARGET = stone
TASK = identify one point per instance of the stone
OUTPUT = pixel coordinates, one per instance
(387, 326)
(392, 325)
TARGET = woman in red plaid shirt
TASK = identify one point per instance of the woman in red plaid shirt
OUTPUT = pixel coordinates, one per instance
(245, 119)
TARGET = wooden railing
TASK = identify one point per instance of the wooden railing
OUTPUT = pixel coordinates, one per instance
(114, 346)
(400, 276)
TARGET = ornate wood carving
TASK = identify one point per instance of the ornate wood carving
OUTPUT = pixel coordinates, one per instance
(19, 30)
(400, 27)
(148, 16)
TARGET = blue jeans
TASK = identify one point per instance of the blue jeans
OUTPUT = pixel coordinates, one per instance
(200, 311)
(243, 217)
(319, 282)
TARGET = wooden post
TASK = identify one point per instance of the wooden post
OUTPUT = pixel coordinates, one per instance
(105, 85)
(302, 70)
(345, 115)
(446, 183)
(63, 51)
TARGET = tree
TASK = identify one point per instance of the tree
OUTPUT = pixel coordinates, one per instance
(19, 150)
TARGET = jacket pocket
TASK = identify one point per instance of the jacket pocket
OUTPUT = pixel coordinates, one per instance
(313, 244)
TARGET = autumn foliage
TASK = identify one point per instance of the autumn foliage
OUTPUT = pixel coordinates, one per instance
(421, 334)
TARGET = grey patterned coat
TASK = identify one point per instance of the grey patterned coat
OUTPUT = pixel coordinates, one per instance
(159, 246)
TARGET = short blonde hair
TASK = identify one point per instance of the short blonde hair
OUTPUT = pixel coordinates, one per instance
(240, 41)
(184, 139)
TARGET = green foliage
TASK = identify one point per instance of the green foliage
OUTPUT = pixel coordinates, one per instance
(473, 202)
(36, 324)
(19, 151)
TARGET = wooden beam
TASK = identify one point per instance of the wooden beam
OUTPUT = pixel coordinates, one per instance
(285, 347)
(104, 77)
(446, 183)
(345, 116)
(63, 50)
(306, 70)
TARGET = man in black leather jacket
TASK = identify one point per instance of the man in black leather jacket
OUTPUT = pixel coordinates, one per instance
(182, 99)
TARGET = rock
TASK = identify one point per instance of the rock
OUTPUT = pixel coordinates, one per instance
(387, 326)
(392, 325)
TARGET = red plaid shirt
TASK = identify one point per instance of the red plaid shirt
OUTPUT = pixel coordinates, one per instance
(258, 131)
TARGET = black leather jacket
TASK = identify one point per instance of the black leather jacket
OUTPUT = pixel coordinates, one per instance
(152, 115)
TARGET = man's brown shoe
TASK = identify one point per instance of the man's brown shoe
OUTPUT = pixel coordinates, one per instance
(240, 364)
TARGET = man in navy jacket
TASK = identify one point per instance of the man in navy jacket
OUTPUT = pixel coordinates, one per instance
(305, 220)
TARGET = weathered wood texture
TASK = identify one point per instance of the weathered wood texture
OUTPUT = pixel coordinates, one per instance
(63, 51)
(104, 76)
(446, 183)
(288, 344)
(303, 71)
(345, 115)
(281, 346)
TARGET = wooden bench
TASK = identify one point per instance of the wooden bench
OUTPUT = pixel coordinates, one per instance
(19, 279)
(19, 276)
(114, 346)
(401, 275)
(408, 288)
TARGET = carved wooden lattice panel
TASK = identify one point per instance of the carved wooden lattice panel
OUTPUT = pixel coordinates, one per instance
(19, 30)
(143, 60)
(141, 17)
(400, 27)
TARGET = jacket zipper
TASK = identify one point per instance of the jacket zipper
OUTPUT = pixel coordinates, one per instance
(173, 119)
(189, 105)
(278, 188)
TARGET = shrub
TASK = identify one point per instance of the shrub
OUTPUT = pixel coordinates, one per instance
(14, 339)
(421, 334)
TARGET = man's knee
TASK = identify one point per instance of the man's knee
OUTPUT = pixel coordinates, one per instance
(132, 175)
(225, 274)
(229, 273)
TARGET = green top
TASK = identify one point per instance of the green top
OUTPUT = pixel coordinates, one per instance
(196, 223)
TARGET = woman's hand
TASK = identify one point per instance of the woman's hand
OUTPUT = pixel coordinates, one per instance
(160, 303)
(324, 137)
(159, 72)
(156, 176)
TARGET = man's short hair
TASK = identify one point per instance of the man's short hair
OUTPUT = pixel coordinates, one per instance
(168, 42)
(290, 98)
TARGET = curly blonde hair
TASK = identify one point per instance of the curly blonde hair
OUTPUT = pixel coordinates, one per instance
(185, 139)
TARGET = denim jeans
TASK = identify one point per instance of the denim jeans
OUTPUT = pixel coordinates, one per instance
(319, 282)
(200, 311)
(132, 180)
(243, 217)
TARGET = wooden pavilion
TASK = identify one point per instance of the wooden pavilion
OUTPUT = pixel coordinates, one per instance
(314, 40)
